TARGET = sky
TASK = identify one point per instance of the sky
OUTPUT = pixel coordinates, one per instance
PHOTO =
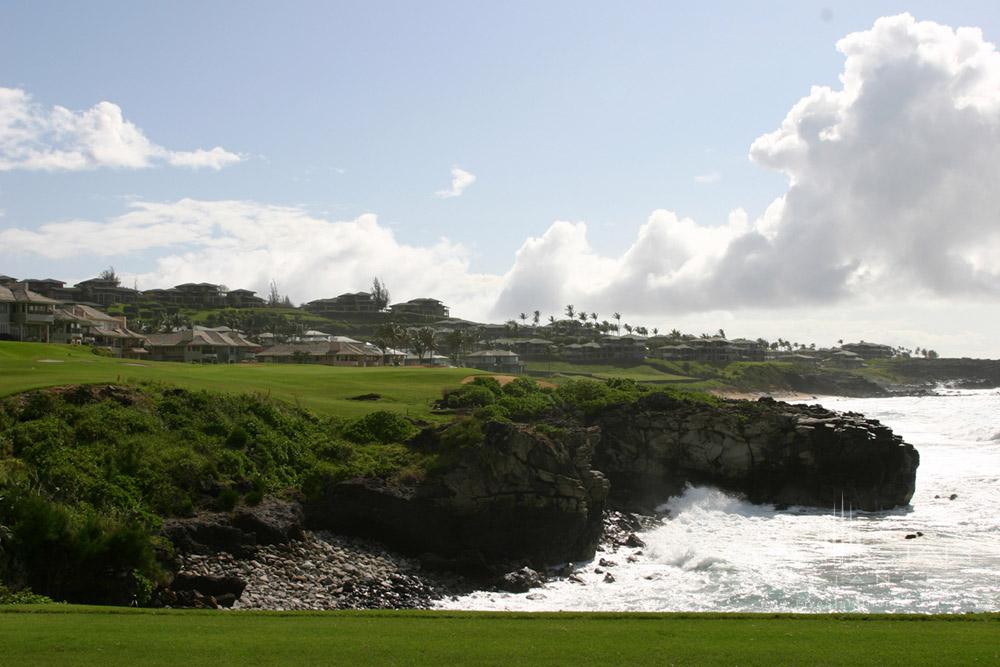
(814, 171)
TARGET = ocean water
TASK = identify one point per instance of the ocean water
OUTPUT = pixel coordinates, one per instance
(719, 553)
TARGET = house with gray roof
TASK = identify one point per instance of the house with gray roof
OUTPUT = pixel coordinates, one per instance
(25, 315)
(201, 346)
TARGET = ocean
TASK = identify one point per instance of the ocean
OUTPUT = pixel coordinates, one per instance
(716, 552)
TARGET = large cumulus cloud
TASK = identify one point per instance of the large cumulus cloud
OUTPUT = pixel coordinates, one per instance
(892, 187)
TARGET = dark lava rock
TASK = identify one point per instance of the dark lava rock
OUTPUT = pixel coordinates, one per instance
(271, 522)
(209, 585)
(522, 496)
(521, 581)
(769, 451)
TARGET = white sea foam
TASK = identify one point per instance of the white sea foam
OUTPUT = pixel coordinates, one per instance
(717, 552)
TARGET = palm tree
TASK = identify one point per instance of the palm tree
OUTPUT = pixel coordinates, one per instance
(628, 327)
(593, 316)
(583, 317)
(656, 331)
(535, 317)
(552, 319)
(570, 310)
(524, 319)
(618, 319)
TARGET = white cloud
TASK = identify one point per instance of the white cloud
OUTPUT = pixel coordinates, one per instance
(892, 191)
(710, 177)
(460, 179)
(247, 244)
(36, 138)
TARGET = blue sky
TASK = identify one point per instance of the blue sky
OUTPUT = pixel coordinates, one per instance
(563, 110)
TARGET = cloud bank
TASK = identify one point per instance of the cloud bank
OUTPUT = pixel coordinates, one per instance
(248, 244)
(35, 138)
(460, 179)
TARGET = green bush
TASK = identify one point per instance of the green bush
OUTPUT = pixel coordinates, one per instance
(381, 426)
(469, 396)
(23, 596)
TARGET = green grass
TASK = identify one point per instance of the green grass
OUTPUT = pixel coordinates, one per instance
(644, 372)
(323, 389)
(57, 634)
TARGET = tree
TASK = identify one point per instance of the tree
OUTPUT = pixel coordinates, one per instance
(424, 340)
(570, 310)
(455, 341)
(656, 331)
(618, 319)
(390, 335)
(273, 295)
(552, 319)
(722, 333)
(109, 274)
(931, 354)
(380, 294)
(524, 319)
(535, 317)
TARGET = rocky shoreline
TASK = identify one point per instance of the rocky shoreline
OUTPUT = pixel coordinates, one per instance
(323, 571)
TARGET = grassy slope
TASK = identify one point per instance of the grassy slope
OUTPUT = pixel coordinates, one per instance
(324, 389)
(90, 636)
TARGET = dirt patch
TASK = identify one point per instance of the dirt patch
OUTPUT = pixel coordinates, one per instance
(49, 361)
(506, 379)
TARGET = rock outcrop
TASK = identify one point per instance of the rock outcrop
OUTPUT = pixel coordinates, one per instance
(521, 496)
(240, 532)
(770, 451)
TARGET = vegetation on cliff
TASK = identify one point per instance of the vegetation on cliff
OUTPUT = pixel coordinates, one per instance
(87, 473)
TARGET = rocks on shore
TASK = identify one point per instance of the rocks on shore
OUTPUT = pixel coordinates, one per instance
(320, 571)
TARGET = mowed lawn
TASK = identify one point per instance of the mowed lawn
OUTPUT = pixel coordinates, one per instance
(323, 389)
(644, 372)
(55, 634)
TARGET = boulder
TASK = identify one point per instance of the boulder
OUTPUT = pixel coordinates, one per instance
(273, 521)
(521, 581)
(222, 590)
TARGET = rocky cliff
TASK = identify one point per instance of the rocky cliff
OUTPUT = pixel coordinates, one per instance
(770, 451)
(519, 495)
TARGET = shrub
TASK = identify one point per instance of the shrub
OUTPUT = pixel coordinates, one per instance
(469, 396)
(23, 596)
(381, 426)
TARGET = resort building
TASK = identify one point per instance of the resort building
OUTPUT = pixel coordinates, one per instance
(498, 361)
(869, 350)
(84, 325)
(423, 306)
(25, 315)
(329, 353)
(351, 302)
(201, 346)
